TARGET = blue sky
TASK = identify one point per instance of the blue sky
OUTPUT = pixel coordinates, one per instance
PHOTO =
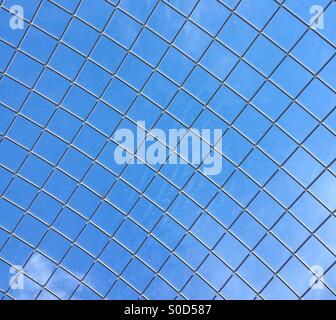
(82, 226)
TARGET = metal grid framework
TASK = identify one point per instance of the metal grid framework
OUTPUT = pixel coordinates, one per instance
(243, 280)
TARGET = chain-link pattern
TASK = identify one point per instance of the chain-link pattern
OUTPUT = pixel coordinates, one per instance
(82, 227)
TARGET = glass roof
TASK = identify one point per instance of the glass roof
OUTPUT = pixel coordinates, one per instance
(226, 188)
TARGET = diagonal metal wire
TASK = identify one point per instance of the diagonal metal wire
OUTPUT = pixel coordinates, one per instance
(165, 212)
